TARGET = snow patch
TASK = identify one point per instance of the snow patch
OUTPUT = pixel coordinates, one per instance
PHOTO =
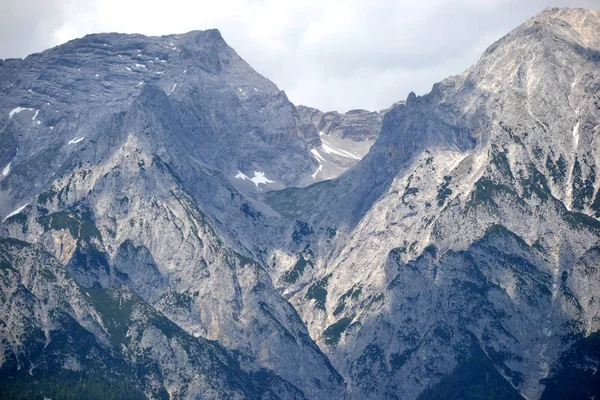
(6, 169)
(76, 140)
(140, 65)
(259, 178)
(35, 115)
(141, 83)
(576, 136)
(18, 210)
(317, 171)
(343, 153)
(241, 175)
(128, 69)
(17, 110)
(173, 89)
(318, 155)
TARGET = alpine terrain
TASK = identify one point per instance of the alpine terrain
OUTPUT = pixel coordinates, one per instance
(173, 227)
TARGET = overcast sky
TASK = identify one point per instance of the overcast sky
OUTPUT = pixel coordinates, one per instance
(329, 54)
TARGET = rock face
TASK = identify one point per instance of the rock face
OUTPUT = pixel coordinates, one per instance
(458, 257)
(116, 163)
(469, 228)
(344, 138)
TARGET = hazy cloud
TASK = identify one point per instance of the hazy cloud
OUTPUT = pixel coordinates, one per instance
(329, 54)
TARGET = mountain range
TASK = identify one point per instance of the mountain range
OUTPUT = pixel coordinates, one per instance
(173, 227)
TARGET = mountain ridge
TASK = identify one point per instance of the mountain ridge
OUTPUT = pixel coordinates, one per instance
(464, 241)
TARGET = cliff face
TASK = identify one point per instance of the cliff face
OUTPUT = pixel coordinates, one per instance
(344, 138)
(467, 226)
(121, 145)
(149, 202)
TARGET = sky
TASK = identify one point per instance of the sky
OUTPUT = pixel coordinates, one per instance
(329, 54)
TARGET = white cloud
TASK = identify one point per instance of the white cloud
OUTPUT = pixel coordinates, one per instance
(330, 54)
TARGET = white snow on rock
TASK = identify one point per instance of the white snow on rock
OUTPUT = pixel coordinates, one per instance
(128, 69)
(317, 171)
(343, 153)
(18, 110)
(259, 178)
(140, 65)
(76, 140)
(242, 176)
(318, 155)
(6, 169)
(576, 136)
(173, 89)
(18, 210)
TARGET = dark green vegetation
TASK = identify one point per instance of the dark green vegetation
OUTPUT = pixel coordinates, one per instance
(333, 333)
(297, 270)
(575, 375)
(67, 385)
(21, 219)
(318, 292)
(444, 191)
(79, 222)
(474, 379)
(558, 169)
(583, 189)
(352, 294)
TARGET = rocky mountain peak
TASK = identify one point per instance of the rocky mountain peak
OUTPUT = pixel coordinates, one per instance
(174, 224)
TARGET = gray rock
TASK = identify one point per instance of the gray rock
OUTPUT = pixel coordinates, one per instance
(464, 243)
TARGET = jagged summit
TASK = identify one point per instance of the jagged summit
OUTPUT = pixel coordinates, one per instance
(535, 78)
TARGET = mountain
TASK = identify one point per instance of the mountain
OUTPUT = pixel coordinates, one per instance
(469, 231)
(112, 172)
(345, 138)
(174, 227)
